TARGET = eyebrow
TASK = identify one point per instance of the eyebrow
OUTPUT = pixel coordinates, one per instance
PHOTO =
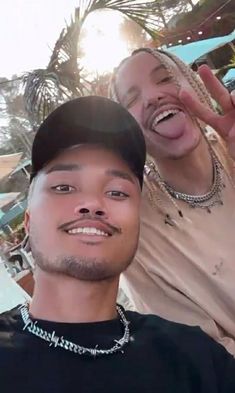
(132, 89)
(120, 174)
(76, 167)
(64, 167)
(157, 68)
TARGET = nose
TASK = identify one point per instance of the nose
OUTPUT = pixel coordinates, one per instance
(152, 96)
(92, 207)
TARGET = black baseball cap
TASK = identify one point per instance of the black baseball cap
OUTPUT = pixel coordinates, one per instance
(90, 120)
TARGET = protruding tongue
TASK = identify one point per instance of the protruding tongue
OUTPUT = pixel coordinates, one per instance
(172, 127)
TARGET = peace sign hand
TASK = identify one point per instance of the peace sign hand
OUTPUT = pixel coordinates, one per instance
(223, 124)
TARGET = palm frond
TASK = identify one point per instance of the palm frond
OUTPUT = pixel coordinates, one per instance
(42, 93)
(60, 81)
(63, 79)
(145, 13)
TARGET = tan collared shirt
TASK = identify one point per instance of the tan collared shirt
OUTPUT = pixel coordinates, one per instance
(186, 272)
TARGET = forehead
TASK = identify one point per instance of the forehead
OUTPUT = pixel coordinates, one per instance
(88, 155)
(139, 67)
(100, 160)
(105, 164)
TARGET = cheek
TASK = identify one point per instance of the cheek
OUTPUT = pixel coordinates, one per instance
(127, 218)
(171, 90)
(186, 85)
(46, 215)
(152, 141)
(44, 233)
(135, 111)
(52, 209)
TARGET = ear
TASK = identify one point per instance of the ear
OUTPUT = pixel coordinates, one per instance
(27, 221)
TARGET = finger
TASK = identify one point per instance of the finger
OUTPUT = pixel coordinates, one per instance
(232, 95)
(231, 134)
(231, 142)
(216, 89)
(198, 109)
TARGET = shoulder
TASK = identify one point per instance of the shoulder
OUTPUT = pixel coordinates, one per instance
(8, 319)
(183, 338)
(163, 326)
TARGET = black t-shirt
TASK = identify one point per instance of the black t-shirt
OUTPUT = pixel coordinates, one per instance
(162, 357)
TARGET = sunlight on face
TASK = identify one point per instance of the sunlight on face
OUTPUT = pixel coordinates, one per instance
(102, 45)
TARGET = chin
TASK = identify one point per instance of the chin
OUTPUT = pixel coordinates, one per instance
(185, 147)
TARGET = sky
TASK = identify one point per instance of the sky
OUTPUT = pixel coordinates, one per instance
(30, 28)
(28, 31)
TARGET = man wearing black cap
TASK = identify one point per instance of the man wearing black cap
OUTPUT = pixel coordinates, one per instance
(83, 224)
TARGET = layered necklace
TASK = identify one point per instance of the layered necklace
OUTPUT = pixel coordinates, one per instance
(54, 340)
(206, 201)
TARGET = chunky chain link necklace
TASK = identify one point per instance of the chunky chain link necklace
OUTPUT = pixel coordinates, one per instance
(61, 342)
(206, 201)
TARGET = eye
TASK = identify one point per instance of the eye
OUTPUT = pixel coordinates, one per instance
(130, 102)
(117, 194)
(166, 79)
(63, 189)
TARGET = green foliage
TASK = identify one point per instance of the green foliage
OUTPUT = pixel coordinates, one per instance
(46, 89)
(15, 128)
(133, 34)
(63, 79)
(232, 61)
(223, 70)
(201, 11)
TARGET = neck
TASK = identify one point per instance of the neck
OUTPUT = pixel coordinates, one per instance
(60, 298)
(192, 174)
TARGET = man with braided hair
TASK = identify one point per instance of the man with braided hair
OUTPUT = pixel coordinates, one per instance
(185, 265)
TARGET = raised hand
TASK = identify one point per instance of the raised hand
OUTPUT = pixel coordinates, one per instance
(224, 124)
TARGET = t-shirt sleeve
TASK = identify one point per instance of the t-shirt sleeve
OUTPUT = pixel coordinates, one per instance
(210, 359)
(224, 367)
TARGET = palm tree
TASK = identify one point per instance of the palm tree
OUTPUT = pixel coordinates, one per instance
(63, 78)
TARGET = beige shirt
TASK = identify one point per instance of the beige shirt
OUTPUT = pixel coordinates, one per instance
(186, 272)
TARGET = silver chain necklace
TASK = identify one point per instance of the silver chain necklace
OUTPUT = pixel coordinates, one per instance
(61, 342)
(206, 201)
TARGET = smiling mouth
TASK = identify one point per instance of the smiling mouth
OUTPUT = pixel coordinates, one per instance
(90, 231)
(163, 116)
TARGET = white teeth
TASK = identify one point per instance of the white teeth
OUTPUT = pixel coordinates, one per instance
(87, 231)
(164, 114)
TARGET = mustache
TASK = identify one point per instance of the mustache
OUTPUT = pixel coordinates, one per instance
(87, 216)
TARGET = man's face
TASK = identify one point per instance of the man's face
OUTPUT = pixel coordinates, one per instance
(83, 216)
(150, 94)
